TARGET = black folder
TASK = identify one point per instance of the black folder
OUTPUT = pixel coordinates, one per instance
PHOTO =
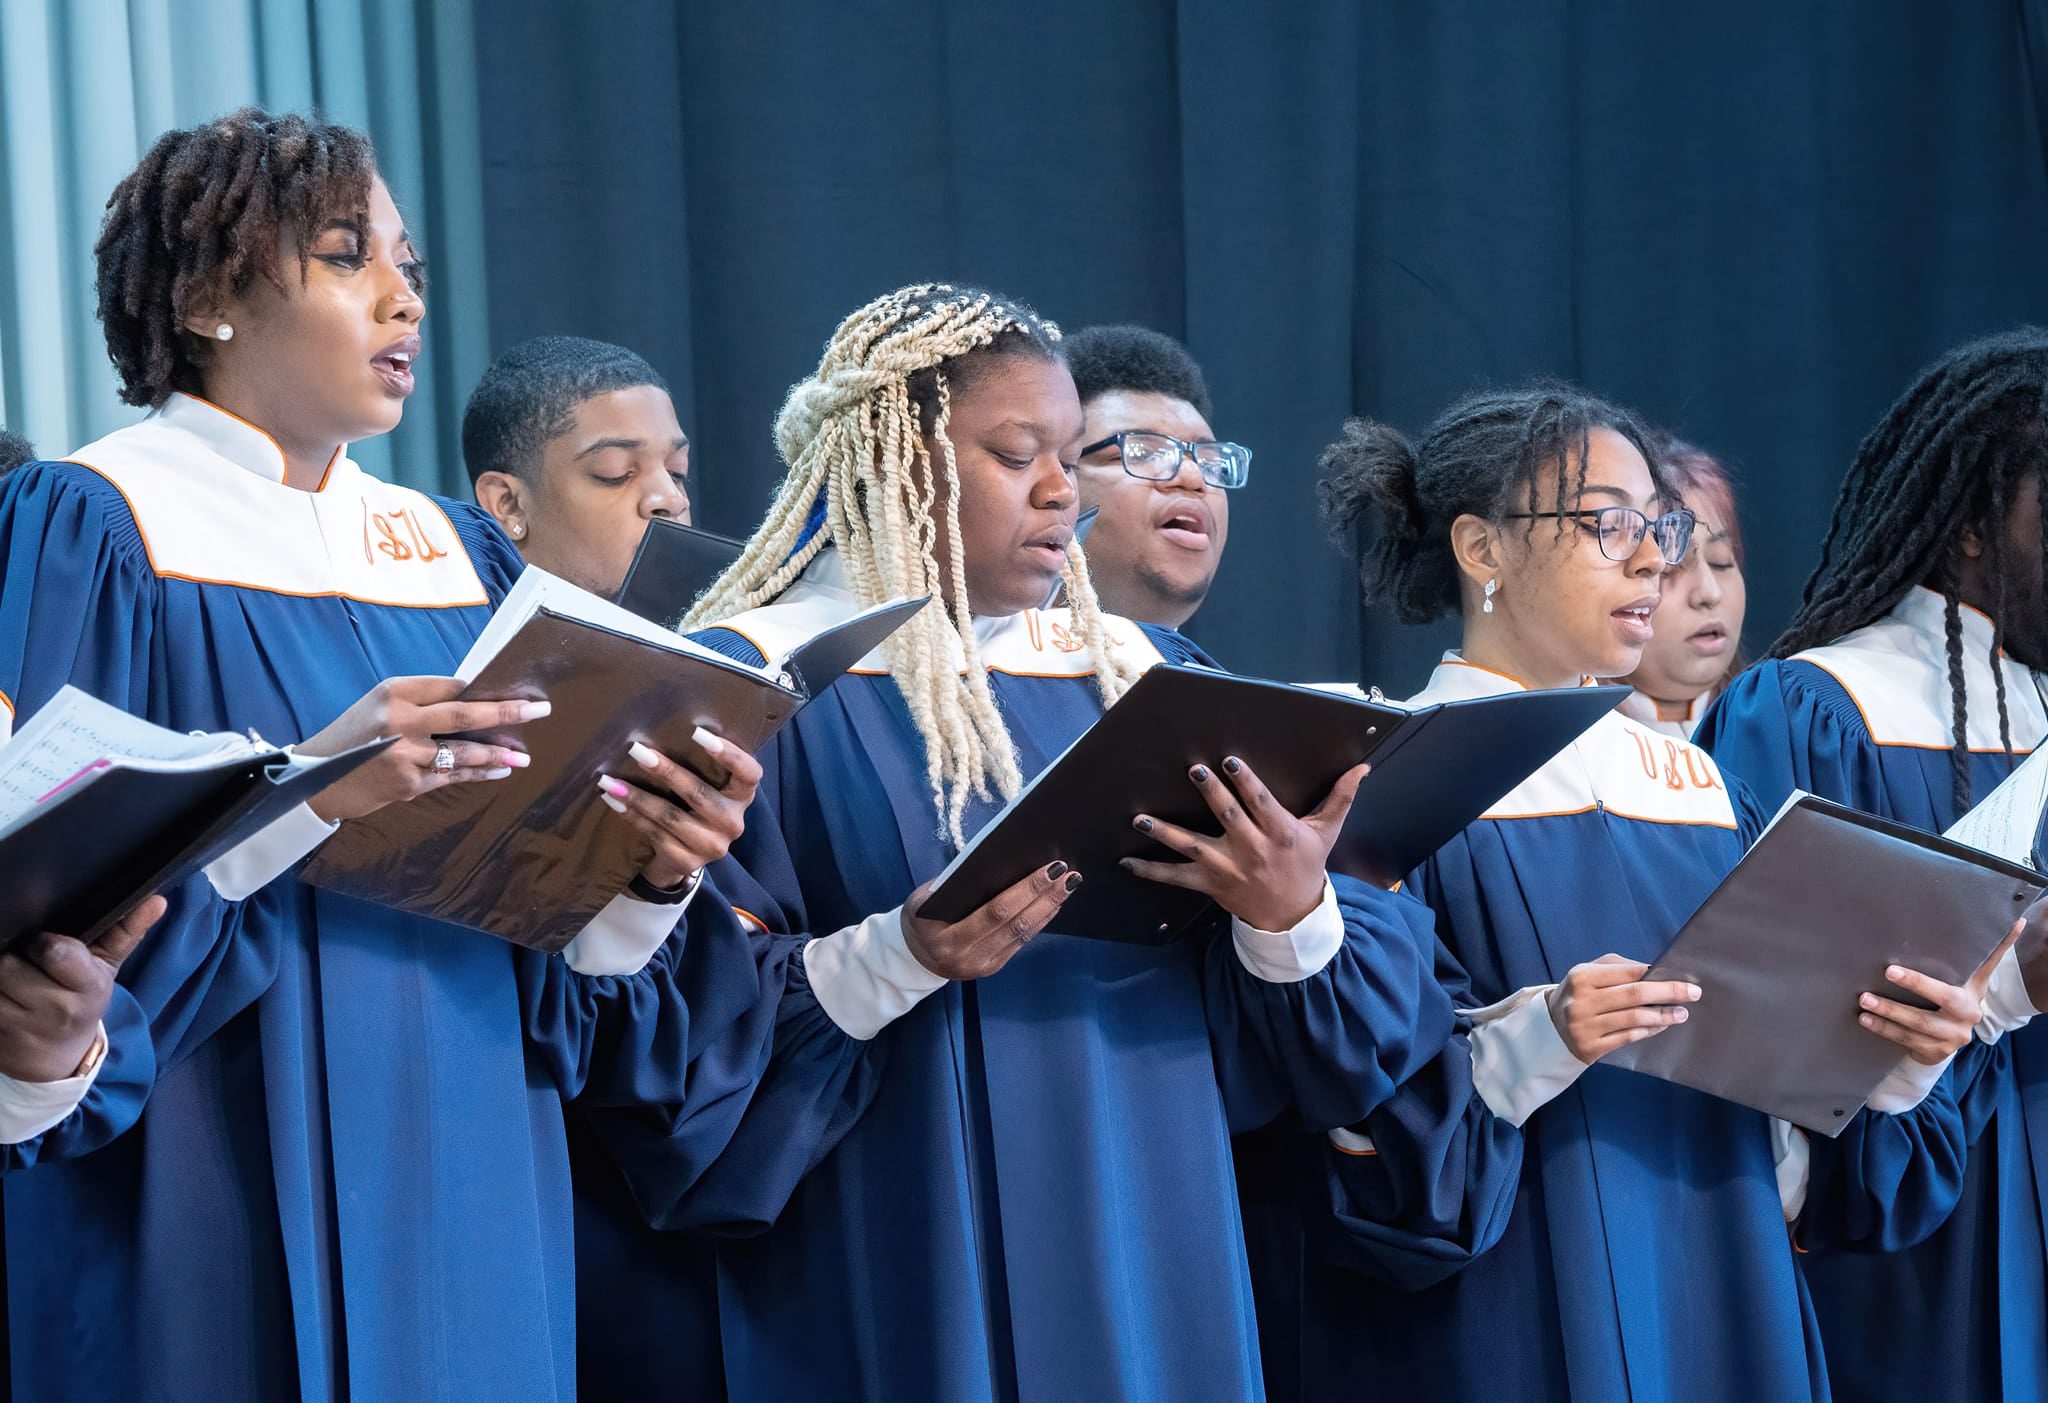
(672, 566)
(1807, 921)
(1435, 769)
(82, 860)
(532, 857)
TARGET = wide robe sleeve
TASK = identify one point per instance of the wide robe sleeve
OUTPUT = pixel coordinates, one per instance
(1426, 1182)
(78, 606)
(788, 1082)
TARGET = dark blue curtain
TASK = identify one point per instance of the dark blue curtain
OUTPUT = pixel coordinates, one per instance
(1751, 221)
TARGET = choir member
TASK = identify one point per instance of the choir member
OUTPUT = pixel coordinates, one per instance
(1154, 470)
(1037, 1202)
(1695, 647)
(349, 1180)
(573, 446)
(1645, 1253)
(1908, 684)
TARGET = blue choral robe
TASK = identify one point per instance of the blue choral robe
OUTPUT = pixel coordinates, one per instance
(1867, 721)
(1037, 1203)
(350, 1179)
(1633, 1245)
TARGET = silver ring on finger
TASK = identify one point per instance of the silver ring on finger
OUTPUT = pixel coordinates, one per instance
(444, 760)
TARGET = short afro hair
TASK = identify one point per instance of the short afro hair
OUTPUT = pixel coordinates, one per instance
(199, 220)
(529, 397)
(1137, 360)
(14, 451)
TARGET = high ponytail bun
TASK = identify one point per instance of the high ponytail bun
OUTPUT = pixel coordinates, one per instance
(1482, 458)
(1369, 481)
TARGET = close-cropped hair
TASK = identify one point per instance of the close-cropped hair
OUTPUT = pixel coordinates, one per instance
(1136, 360)
(1951, 453)
(529, 396)
(1483, 457)
(200, 220)
(14, 451)
(873, 474)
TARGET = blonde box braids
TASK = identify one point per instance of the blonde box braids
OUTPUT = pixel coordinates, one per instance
(855, 434)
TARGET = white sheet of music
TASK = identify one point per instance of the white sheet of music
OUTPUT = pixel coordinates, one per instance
(2007, 822)
(75, 733)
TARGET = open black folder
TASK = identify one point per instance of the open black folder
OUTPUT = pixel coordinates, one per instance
(674, 564)
(533, 857)
(1435, 769)
(98, 809)
(1807, 921)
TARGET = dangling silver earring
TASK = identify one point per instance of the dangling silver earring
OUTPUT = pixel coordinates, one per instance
(1491, 586)
(223, 332)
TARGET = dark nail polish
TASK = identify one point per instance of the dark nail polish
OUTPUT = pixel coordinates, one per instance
(1073, 881)
(1201, 774)
(1143, 825)
(1056, 871)
(1231, 765)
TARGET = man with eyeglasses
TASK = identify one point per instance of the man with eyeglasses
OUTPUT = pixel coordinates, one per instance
(1152, 465)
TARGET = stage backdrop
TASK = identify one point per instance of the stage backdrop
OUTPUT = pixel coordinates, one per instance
(1751, 221)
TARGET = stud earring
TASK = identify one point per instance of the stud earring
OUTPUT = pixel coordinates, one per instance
(518, 530)
(223, 332)
(1491, 586)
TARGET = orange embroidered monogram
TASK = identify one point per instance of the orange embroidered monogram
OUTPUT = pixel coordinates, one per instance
(1699, 774)
(415, 545)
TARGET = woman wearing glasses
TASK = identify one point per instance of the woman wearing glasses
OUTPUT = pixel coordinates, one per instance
(1153, 469)
(1645, 1254)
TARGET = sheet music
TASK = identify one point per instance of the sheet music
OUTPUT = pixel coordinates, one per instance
(2007, 822)
(74, 732)
(538, 590)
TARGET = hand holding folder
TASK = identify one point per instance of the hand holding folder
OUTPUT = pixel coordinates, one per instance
(54, 992)
(1820, 907)
(1434, 770)
(533, 857)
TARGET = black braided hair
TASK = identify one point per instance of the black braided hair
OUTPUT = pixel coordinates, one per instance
(1481, 458)
(199, 219)
(1951, 453)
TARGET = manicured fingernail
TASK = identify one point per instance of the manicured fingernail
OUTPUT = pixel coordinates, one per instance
(1143, 825)
(534, 710)
(1692, 991)
(1128, 864)
(1200, 774)
(1868, 1001)
(1056, 871)
(1073, 881)
(502, 772)
(713, 745)
(516, 759)
(644, 755)
(615, 805)
(1231, 765)
(1678, 1015)
(1894, 972)
(1866, 1020)
(612, 788)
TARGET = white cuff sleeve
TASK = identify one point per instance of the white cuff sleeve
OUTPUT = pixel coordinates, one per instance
(1351, 1142)
(1519, 1060)
(865, 977)
(1790, 1152)
(243, 871)
(28, 1108)
(623, 937)
(1906, 1085)
(1290, 956)
(2006, 1005)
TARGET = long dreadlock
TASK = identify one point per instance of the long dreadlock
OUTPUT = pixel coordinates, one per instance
(1951, 453)
(867, 433)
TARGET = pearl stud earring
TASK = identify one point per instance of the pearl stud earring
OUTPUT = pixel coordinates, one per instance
(224, 332)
